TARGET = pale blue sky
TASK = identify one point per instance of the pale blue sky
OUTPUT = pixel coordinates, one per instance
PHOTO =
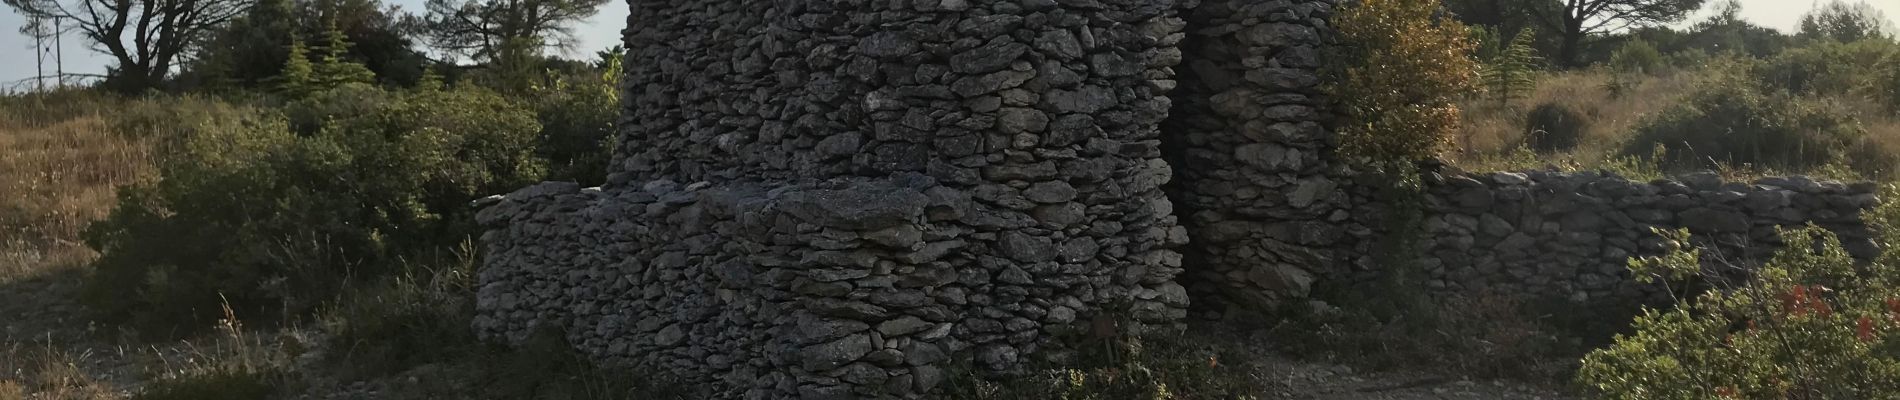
(17, 62)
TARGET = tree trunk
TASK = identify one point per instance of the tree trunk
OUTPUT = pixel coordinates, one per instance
(132, 79)
(1572, 47)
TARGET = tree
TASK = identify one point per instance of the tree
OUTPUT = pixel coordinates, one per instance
(1397, 77)
(1845, 23)
(298, 77)
(1727, 32)
(503, 29)
(336, 70)
(252, 48)
(1575, 21)
(146, 38)
(1509, 70)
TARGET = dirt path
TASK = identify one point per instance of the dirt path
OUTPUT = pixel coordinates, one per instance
(49, 346)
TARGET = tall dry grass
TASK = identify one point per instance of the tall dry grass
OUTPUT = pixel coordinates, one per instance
(1494, 136)
(60, 166)
(61, 169)
(47, 372)
(1611, 107)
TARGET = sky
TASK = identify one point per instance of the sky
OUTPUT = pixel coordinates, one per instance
(603, 30)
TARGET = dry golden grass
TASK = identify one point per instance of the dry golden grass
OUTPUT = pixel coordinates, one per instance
(57, 177)
(1493, 136)
(47, 373)
(60, 170)
(1490, 129)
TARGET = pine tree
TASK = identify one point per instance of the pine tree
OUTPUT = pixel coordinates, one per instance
(298, 78)
(1509, 73)
(335, 70)
(430, 81)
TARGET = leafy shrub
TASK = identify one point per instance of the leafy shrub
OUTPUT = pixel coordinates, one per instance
(308, 115)
(1829, 68)
(1399, 74)
(1637, 57)
(1728, 121)
(1838, 21)
(1886, 86)
(1554, 127)
(577, 127)
(1509, 69)
(170, 120)
(1810, 324)
(277, 222)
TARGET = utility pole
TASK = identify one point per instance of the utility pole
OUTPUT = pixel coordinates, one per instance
(59, 54)
(37, 28)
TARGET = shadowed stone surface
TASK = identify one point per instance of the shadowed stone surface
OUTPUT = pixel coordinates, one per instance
(828, 199)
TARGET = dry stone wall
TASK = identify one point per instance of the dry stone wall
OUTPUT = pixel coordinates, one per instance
(1568, 235)
(1268, 207)
(831, 199)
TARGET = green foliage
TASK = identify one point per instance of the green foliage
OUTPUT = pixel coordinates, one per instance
(577, 135)
(1510, 71)
(337, 70)
(1396, 78)
(1886, 85)
(1811, 323)
(250, 51)
(1639, 167)
(1554, 127)
(298, 78)
(1728, 121)
(1846, 23)
(430, 80)
(577, 112)
(1830, 68)
(1637, 57)
(278, 222)
(1726, 32)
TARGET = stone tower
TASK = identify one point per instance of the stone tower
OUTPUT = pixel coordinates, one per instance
(831, 198)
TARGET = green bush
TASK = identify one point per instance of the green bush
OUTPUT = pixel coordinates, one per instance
(1811, 323)
(577, 128)
(1637, 57)
(278, 222)
(1554, 127)
(1727, 121)
(1829, 68)
(1886, 86)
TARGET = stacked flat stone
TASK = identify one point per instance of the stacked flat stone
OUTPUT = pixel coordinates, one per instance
(835, 198)
(1568, 235)
(830, 199)
(1265, 202)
